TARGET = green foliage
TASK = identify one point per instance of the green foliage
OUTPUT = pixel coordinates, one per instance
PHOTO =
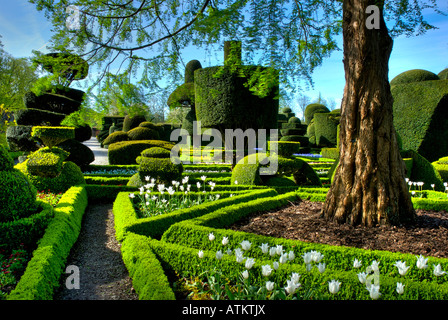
(46, 162)
(116, 136)
(331, 153)
(183, 94)
(423, 170)
(143, 133)
(27, 230)
(17, 195)
(415, 75)
(79, 153)
(294, 120)
(37, 117)
(443, 75)
(420, 116)
(126, 152)
(19, 138)
(247, 170)
(71, 175)
(284, 148)
(131, 122)
(52, 136)
(43, 272)
(222, 100)
(313, 108)
(325, 128)
(148, 277)
(155, 152)
(441, 166)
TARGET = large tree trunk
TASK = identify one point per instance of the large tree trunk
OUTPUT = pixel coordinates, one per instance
(369, 187)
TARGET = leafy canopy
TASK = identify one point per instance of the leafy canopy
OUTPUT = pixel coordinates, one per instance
(147, 38)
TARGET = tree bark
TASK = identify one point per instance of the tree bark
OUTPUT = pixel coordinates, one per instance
(369, 187)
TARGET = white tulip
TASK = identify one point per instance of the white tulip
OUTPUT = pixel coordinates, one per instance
(219, 255)
(438, 271)
(422, 262)
(291, 286)
(245, 245)
(225, 241)
(374, 291)
(321, 267)
(362, 277)
(201, 254)
(245, 274)
(357, 263)
(402, 268)
(211, 236)
(270, 285)
(264, 247)
(333, 286)
(249, 263)
(266, 270)
(400, 288)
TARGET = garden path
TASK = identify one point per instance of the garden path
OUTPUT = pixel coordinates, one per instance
(102, 273)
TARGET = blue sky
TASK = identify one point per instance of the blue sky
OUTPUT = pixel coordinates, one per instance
(24, 29)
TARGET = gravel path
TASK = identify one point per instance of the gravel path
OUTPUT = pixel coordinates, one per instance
(103, 275)
(100, 153)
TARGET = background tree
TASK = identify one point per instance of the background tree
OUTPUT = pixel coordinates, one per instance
(293, 37)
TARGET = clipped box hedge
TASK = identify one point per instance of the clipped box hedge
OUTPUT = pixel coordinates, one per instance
(43, 271)
(186, 238)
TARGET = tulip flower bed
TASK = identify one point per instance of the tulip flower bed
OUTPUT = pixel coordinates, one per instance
(235, 265)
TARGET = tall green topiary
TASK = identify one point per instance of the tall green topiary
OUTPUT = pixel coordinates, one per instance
(325, 128)
(131, 122)
(443, 75)
(420, 112)
(313, 108)
(229, 96)
(17, 193)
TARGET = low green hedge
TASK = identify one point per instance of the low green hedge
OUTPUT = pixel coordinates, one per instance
(26, 230)
(186, 238)
(127, 221)
(42, 274)
(106, 180)
(148, 277)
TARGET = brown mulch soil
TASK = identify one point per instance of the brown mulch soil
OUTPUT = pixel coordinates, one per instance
(301, 221)
(103, 275)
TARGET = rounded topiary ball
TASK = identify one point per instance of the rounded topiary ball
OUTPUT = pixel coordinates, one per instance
(116, 136)
(142, 133)
(414, 75)
(294, 120)
(17, 193)
(286, 110)
(156, 152)
(443, 75)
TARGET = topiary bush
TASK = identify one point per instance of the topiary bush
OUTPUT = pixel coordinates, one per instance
(117, 136)
(37, 117)
(126, 152)
(83, 132)
(143, 133)
(247, 170)
(46, 162)
(414, 75)
(131, 122)
(423, 171)
(420, 112)
(225, 96)
(443, 75)
(70, 175)
(156, 163)
(52, 136)
(441, 166)
(79, 153)
(17, 193)
(313, 108)
(19, 138)
(325, 128)
(284, 148)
